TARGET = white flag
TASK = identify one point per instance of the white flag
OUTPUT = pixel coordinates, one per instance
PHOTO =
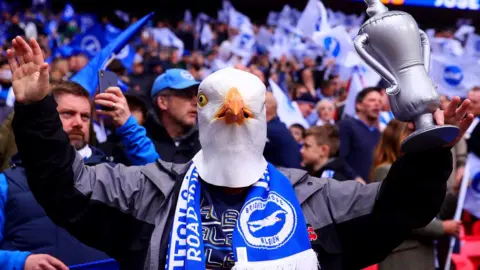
(313, 19)
(356, 86)
(472, 198)
(454, 76)
(336, 42)
(237, 20)
(167, 38)
(287, 111)
(472, 46)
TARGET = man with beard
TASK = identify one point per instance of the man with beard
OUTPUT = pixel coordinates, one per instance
(28, 238)
(360, 134)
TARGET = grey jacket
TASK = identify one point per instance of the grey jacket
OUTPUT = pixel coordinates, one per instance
(128, 211)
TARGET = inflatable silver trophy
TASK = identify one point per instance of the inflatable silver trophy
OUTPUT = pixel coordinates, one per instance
(391, 43)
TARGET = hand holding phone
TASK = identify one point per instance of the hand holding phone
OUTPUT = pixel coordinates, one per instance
(106, 79)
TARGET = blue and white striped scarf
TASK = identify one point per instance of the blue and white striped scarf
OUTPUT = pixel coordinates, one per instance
(271, 232)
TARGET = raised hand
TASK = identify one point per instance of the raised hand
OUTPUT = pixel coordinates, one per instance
(30, 78)
(113, 98)
(456, 115)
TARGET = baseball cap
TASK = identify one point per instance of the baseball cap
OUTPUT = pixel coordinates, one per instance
(306, 98)
(174, 78)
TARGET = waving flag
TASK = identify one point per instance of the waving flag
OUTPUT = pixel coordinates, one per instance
(91, 42)
(313, 19)
(446, 46)
(167, 38)
(237, 20)
(472, 46)
(68, 13)
(454, 76)
(85, 21)
(88, 76)
(287, 111)
(355, 87)
(272, 18)
(187, 17)
(472, 198)
(336, 42)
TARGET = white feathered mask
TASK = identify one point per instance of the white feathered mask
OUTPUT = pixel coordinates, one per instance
(233, 128)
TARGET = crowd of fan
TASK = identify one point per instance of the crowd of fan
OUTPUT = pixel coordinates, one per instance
(337, 146)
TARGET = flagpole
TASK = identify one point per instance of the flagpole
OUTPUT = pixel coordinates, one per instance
(458, 211)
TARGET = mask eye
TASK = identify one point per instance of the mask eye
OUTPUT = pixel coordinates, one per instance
(202, 100)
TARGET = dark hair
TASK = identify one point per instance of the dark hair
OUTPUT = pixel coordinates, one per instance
(326, 135)
(361, 96)
(137, 102)
(117, 67)
(3, 61)
(66, 87)
(299, 127)
(328, 81)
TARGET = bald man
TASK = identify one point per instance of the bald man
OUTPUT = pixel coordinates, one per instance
(281, 148)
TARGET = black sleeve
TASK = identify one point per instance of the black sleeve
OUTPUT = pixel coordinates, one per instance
(409, 198)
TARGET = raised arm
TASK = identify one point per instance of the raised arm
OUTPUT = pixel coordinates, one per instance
(99, 205)
(370, 221)
(139, 149)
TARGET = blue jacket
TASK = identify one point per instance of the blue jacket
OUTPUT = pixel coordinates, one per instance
(139, 149)
(281, 148)
(25, 228)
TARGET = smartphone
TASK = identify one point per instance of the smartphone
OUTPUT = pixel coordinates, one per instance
(106, 79)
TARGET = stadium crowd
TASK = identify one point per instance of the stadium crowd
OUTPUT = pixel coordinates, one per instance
(153, 115)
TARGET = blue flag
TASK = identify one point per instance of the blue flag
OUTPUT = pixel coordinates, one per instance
(90, 42)
(88, 76)
(68, 13)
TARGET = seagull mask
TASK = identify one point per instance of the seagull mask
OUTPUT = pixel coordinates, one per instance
(233, 129)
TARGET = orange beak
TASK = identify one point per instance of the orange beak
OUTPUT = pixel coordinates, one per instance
(233, 109)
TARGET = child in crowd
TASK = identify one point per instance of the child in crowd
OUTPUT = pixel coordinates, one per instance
(298, 133)
(320, 154)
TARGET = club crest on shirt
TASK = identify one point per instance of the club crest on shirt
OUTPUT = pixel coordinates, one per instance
(267, 223)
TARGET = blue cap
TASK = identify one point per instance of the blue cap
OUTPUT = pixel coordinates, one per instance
(174, 78)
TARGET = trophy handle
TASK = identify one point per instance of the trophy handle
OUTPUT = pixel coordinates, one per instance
(360, 42)
(426, 50)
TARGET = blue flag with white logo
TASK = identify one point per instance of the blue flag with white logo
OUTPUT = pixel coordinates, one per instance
(85, 21)
(454, 76)
(88, 76)
(90, 42)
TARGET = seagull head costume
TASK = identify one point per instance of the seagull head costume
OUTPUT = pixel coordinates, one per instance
(270, 232)
(233, 129)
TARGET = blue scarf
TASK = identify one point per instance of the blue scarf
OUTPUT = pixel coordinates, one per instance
(271, 232)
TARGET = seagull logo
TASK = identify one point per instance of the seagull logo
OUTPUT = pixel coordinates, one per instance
(273, 225)
(266, 222)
